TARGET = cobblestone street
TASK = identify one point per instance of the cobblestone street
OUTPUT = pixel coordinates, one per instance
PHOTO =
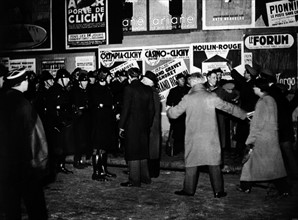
(76, 196)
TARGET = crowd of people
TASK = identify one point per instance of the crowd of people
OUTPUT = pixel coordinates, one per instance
(93, 114)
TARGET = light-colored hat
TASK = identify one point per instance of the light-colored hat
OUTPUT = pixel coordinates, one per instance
(16, 76)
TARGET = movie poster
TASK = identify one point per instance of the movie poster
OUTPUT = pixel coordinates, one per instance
(26, 25)
(275, 50)
(30, 64)
(213, 55)
(53, 65)
(165, 61)
(120, 59)
(282, 13)
(225, 14)
(86, 24)
(85, 62)
(159, 15)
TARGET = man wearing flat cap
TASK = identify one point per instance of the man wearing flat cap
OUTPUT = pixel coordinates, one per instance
(24, 151)
(135, 121)
(177, 126)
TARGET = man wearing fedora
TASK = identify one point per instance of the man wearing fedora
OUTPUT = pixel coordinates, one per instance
(177, 126)
(150, 79)
(24, 152)
(247, 101)
(135, 121)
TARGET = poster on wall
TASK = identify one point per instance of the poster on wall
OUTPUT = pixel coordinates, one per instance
(165, 61)
(134, 15)
(85, 62)
(53, 65)
(213, 55)
(159, 15)
(275, 50)
(166, 75)
(85, 24)
(172, 15)
(120, 59)
(282, 13)
(30, 64)
(26, 25)
(226, 14)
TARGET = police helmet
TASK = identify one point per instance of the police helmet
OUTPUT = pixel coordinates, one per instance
(83, 76)
(62, 73)
(102, 75)
(46, 75)
(92, 74)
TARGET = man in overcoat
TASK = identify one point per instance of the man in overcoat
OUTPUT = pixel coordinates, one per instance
(202, 145)
(150, 79)
(23, 152)
(135, 121)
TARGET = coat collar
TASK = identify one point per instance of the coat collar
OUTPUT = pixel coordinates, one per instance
(197, 87)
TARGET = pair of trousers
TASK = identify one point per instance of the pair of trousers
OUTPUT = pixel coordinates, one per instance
(192, 176)
(138, 172)
(289, 158)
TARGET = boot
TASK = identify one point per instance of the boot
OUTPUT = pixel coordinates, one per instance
(97, 169)
(104, 158)
(63, 169)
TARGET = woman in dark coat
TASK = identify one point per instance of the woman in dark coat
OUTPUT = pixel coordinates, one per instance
(103, 134)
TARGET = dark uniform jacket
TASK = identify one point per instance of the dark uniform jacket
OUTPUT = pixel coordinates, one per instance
(103, 119)
(61, 116)
(136, 119)
(80, 104)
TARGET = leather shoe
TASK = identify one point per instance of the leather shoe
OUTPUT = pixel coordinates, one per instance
(240, 189)
(183, 193)
(220, 194)
(108, 174)
(126, 184)
(62, 169)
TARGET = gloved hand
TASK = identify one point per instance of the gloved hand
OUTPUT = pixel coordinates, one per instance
(247, 152)
(121, 133)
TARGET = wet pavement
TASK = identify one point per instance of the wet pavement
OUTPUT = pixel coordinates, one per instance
(76, 196)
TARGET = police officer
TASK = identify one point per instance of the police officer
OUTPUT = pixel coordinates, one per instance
(61, 114)
(103, 133)
(42, 106)
(80, 107)
(23, 152)
(117, 86)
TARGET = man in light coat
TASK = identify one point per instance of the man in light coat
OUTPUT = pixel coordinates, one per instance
(202, 145)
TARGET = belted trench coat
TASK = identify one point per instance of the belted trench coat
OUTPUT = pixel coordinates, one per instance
(202, 145)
